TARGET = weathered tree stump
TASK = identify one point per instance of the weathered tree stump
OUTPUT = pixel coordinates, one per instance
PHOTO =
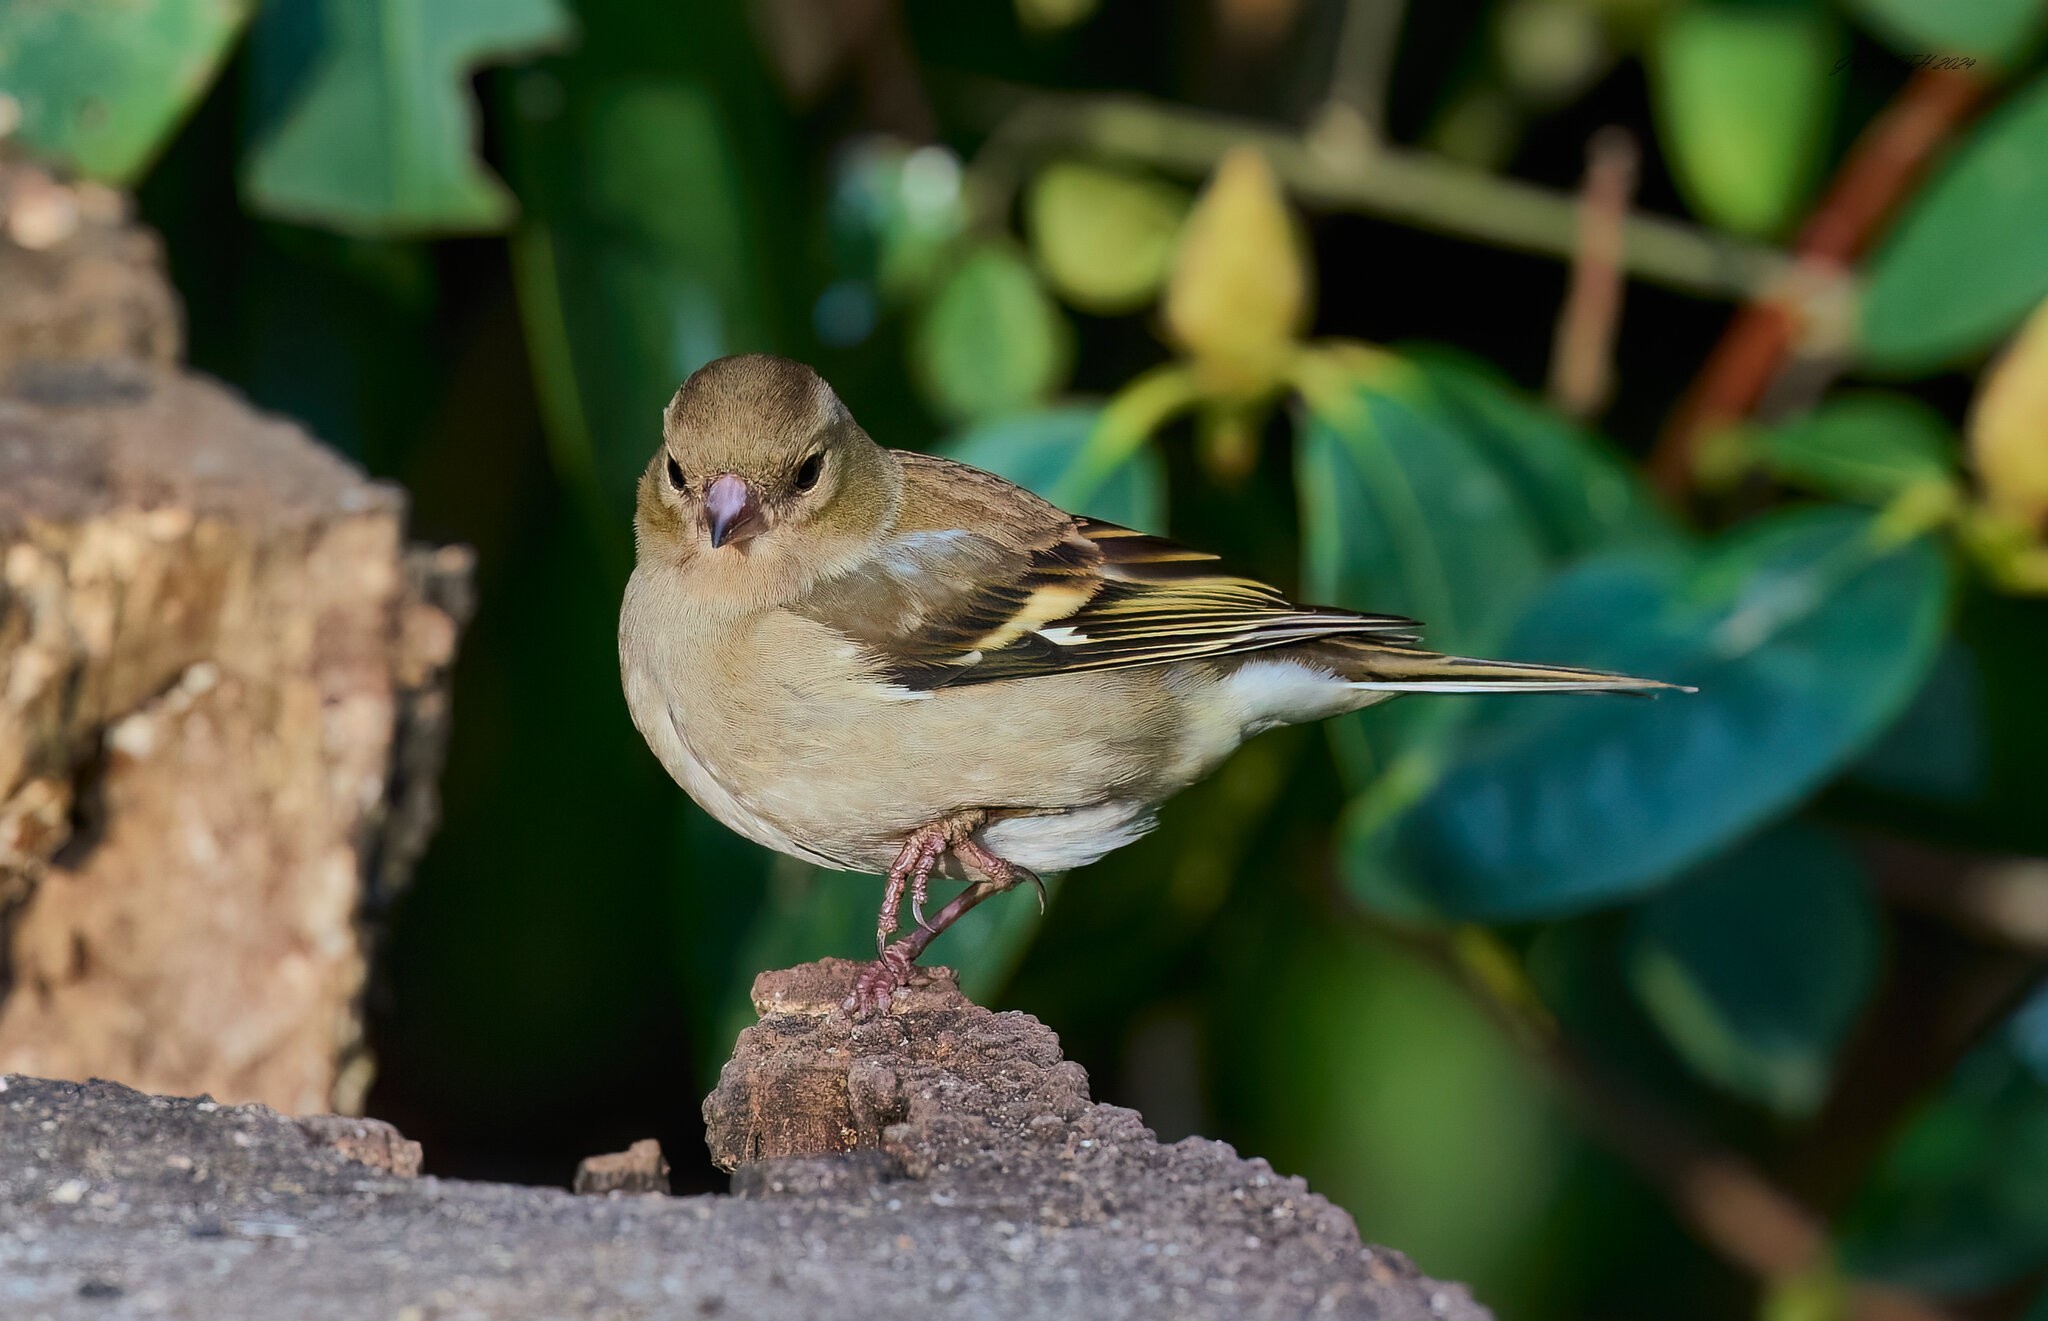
(222, 693)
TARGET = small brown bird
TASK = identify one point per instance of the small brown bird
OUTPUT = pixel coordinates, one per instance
(885, 662)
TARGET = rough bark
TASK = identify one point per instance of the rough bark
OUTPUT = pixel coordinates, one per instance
(222, 693)
(952, 1166)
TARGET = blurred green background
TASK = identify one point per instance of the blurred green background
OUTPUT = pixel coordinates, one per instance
(1714, 1006)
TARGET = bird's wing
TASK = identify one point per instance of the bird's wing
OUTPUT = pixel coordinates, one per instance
(1025, 590)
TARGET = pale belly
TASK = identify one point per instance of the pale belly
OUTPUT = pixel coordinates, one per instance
(836, 769)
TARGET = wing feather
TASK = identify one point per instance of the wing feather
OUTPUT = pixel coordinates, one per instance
(1080, 594)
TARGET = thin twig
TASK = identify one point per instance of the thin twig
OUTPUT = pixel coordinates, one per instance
(1412, 187)
(1582, 354)
(1888, 158)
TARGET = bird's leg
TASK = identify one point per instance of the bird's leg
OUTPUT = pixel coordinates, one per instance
(914, 862)
(877, 983)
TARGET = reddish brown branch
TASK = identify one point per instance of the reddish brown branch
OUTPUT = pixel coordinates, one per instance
(1889, 157)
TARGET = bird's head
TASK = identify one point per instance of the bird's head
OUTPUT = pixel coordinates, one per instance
(763, 483)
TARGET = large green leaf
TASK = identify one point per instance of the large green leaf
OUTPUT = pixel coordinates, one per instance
(1744, 102)
(1578, 492)
(1756, 964)
(639, 267)
(102, 83)
(1038, 450)
(1955, 1205)
(1391, 1091)
(1970, 256)
(1445, 496)
(2000, 31)
(379, 135)
(990, 341)
(1402, 512)
(1868, 447)
(1805, 636)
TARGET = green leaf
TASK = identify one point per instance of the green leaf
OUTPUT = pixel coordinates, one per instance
(2000, 31)
(990, 341)
(1104, 236)
(624, 288)
(1969, 258)
(1955, 1206)
(1402, 512)
(2027, 1033)
(1445, 497)
(1805, 635)
(1756, 965)
(1866, 447)
(1579, 492)
(102, 83)
(1744, 103)
(1392, 1092)
(1038, 450)
(380, 134)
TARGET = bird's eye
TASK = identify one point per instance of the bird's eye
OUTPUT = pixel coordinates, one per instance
(675, 474)
(808, 473)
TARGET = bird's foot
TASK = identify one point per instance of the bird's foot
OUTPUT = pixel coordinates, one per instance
(878, 983)
(912, 868)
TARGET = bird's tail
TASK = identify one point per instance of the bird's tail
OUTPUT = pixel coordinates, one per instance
(1373, 668)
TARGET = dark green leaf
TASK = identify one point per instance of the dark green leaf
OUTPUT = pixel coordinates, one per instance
(1392, 1091)
(1402, 512)
(639, 267)
(990, 341)
(1580, 493)
(1955, 1205)
(2027, 1034)
(1865, 447)
(1744, 103)
(2000, 31)
(102, 83)
(1938, 749)
(380, 136)
(1756, 964)
(1970, 256)
(1805, 637)
(1037, 450)
(1447, 498)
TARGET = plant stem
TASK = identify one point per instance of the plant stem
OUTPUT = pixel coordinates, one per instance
(1394, 183)
(1582, 353)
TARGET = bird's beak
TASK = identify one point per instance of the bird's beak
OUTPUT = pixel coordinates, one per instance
(731, 513)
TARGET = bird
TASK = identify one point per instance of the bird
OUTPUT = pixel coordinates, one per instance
(887, 662)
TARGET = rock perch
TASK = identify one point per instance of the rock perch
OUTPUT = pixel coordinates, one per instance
(941, 1162)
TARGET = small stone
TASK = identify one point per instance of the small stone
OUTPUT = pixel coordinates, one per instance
(640, 1168)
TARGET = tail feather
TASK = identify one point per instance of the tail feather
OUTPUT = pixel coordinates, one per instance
(1401, 670)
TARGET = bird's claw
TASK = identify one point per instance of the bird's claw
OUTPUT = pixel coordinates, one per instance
(877, 984)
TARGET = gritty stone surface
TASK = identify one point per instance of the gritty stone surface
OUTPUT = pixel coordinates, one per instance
(995, 1189)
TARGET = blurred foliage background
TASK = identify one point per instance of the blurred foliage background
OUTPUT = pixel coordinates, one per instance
(1698, 338)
